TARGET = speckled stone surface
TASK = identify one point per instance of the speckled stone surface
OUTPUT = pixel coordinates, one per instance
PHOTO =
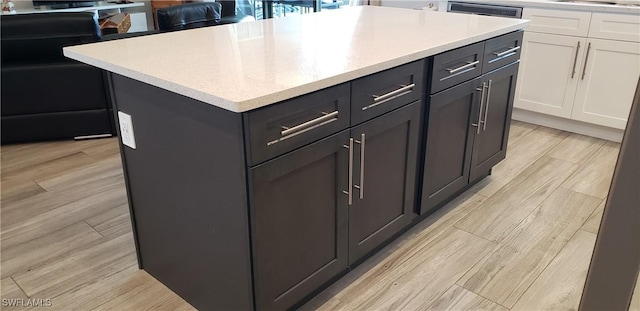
(240, 67)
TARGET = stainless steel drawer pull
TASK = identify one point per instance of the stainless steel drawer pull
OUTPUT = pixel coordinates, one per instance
(484, 87)
(486, 109)
(349, 192)
(511, 50)
(404, 88)
(361, 186)
(287, 133)
(586, 60)
(575, 61)
(379, 99)
(307, 124)
(468, 65)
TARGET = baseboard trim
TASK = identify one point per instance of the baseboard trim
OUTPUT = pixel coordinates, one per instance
(568, 125)
(92, 136)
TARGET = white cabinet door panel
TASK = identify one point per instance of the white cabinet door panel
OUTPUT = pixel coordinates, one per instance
(549, 73)
(611, 74)
(571, 23)
(615, 26)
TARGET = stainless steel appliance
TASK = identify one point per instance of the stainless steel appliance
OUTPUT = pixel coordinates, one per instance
(485, 9)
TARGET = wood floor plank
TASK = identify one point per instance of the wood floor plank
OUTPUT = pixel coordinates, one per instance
(14, 213)
(576, 148)
(13, 298)
(594, 176)
(14, 233)
(458, 298)
(149, 296)
(108, 168)
(505, 275)
(18, 157)
(115, 221)
(503, 211)
(417, 281)
(405, 246)
(105, 257)
(527, 150)
(559, 287)
(48, 168)
(30, 254)
(110, 290)
(518, 130)
(488, 186)
(593, 223)
(19, 190)
(9, 289)
(635, 298)
(108, 149)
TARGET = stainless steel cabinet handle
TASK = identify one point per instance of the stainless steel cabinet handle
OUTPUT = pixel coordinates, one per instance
(575, 61)
(511, 50)
(349, 192)
(586, 60)
(379, 99)
(286, 131)
(484, 86)
(468, 65)
(361, 186)
(486, 109)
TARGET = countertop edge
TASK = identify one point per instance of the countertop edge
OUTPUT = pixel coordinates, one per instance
(259, 102)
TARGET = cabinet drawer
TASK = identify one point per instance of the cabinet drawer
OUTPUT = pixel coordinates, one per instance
(615, 26)
(282, 127)
(453, 67)
(557, 22)
(502, 51)
(381, 92)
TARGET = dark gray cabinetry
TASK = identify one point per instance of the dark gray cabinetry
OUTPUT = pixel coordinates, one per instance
(467, 125)
(318, 206)
(299, 221)
(260, 210)
(384, 171)
(277, 129)
(454, 67)
(384, 91)
(449, 141)
(501, 51)
(490, 141)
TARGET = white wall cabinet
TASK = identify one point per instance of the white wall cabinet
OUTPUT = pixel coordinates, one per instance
(568, 72)
(549, 73)
(608, 82)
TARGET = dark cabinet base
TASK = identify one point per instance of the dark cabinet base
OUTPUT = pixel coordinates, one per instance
(189, 218)
(230, 224)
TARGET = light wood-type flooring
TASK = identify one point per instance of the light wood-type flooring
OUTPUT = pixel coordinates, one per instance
(519, 240)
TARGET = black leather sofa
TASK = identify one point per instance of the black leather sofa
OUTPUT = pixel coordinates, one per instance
(45, 95)
(199, 14)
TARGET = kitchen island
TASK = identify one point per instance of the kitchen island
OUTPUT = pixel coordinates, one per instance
(264, 160)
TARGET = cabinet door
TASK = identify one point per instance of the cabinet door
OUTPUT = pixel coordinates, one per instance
(299, 221)
(549, 73)
(384, 175)
(607, 82)
(490, 142)
(448, 142)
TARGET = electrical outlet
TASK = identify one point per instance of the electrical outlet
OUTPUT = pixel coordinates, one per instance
(126, 130)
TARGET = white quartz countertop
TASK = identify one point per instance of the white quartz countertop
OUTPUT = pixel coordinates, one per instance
(605, 6)
(240, 67)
